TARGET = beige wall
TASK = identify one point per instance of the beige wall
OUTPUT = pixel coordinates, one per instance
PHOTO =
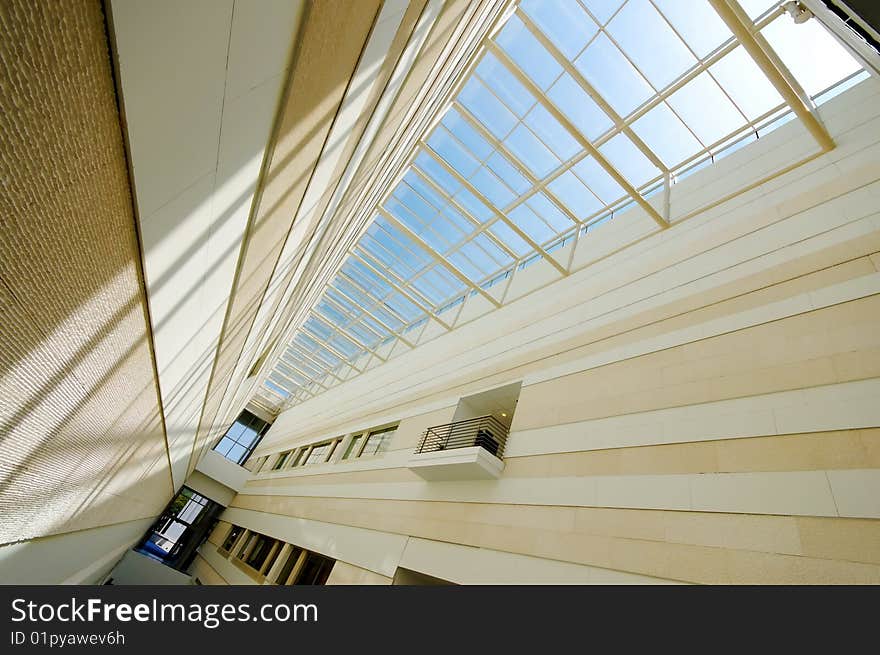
(699, 407)
(82, 445)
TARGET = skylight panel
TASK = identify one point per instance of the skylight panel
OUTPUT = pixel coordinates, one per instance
(602, 10)
(531, 151)
(507, 236)
(650, 43)
(401, 307)
(434, 170)
(437, 284)
(697, 23)
(491, 250)
(531, 224)
(756, 8)
(549, 212)
(472, 263)
(464, 132)
(511, 175)
(445, 145)
(707, 111)
(667, 136)
(284, 393)
(577, 197)
(563, 21)
(474, 206)
(487, 108)
(604, 65)
(333, 315)
(812, 55)
(344, 345)
(504, 84)
(629, 160)
(317, 328)
(548, 129)
(598, 180)
(364, 335)
(579, 107)
(422, 227)
(394, 250)
(527, 52)
(492, 188)
(748, 87)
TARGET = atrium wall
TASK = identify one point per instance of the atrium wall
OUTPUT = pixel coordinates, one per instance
(699, 406)
(83, 463)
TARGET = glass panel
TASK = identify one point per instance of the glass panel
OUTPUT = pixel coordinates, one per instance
(650, 43)
(598, 180)
(525, 50)
(579, 107)
(602, 10)
(812, 55)
(563, 21)
(613, 76)
(629, 160)
(706, 110)
(578, 198)
(666, 135)
(697, 23)
(749, 88)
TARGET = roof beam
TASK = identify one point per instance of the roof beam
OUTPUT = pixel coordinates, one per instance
(537, 186)
(345, 335)
(498, 213)
(770, 64)
(533, 88)
(369, 313)
(481, 228)
(397, 287)
(319, 365)
(415, 238)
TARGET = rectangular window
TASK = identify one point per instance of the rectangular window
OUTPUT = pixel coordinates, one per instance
(242, 437)
(287, 569)
(320, 453)
(378, 441)
(234, 531)
(299, 458)
(281, 460)
(316, 570)
(354, 447)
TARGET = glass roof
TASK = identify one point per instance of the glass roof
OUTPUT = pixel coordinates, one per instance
(574, 109)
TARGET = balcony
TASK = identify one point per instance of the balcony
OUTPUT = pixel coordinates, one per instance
(464, 450)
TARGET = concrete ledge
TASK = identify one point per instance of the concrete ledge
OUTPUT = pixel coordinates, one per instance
(473, 463)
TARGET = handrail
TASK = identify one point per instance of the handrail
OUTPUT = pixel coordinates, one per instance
(484, 431)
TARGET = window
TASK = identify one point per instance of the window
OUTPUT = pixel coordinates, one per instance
(378, 441)
(282, 458)
(233, 534)
(180, 529)
(259, 554)
(321, 452)
(316, 570)
(287, 570)
(354, 447)
(242, 437)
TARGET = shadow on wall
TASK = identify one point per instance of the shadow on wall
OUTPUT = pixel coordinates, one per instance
(82, 440)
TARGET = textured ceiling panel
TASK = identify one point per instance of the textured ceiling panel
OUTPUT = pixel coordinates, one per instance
(81, 436)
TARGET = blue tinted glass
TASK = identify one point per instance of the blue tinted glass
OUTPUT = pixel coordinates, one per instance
(527, 53)
(563, 21)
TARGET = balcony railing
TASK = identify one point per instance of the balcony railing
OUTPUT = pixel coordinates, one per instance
(485, 431)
